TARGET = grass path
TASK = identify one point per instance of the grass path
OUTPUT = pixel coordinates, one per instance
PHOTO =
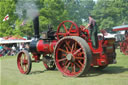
(114, 74)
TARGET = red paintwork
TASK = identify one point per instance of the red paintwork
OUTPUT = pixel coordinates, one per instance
(70, 31)
(124, 46)
(46, 48)
(99, 57)
(35, 56)
(43, 47)
(120, 29)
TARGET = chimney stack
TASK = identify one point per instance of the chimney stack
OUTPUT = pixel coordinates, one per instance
(36, 27)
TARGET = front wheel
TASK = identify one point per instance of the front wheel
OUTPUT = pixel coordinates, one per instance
(24, 62)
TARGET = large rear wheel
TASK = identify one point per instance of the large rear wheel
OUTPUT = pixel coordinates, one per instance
(72, 56)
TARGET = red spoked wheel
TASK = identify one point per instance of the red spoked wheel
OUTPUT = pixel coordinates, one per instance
(124, 47)
(72, 56)
(24, 62)
(48, 62)
(67, 28)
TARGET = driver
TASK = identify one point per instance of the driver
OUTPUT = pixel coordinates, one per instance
(92, 31)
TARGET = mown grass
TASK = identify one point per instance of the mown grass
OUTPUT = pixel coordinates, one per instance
(114, 74)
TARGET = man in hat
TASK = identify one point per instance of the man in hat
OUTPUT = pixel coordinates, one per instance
(93, 31)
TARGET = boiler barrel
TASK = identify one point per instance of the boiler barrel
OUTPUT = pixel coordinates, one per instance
(42, 46)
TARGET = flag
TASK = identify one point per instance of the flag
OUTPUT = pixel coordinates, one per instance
(6, 18)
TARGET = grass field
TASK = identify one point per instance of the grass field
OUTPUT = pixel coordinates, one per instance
(114, 74)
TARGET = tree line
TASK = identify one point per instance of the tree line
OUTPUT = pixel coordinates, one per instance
(107, 13)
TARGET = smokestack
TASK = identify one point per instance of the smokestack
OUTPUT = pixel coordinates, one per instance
(36, 27)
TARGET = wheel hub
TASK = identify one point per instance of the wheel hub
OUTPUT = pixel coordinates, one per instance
(70, 57)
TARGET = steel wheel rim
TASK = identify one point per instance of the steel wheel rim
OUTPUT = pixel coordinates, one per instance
(23, 62)
(73, 61)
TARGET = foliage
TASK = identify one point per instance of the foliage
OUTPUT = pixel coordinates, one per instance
(109, 13)
(7, 7)
(78, 10)
(51, 12)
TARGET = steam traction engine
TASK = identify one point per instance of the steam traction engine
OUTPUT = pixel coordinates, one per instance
(123, 44)
(72, 50)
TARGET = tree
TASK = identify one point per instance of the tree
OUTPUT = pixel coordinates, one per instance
(52, 12)
(110, 13)
(78, 10)
(6, 27)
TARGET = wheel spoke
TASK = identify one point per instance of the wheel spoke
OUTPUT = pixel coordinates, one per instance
(66, 63)
(63, 54)
(77, 65)
(65, 28)
(62, 50)
(64, 34)
(75, 46)
(80, 63)
(82, 58)
(67, 43)
(80, 54)
(25, 61)
(22, 57)
(66, 48)
(67, 67)
(71, 27)
(25, 67)
(72, 47)
(63, 59)
(73, 68)
(77, 51)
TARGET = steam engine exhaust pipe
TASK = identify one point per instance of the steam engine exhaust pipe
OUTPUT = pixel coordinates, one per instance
(36, 27)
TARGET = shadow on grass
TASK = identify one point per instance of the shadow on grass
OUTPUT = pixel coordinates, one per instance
(93, 71)
(39, 72)
(108, 70)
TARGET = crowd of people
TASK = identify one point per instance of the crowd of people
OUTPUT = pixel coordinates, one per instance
(12, 49)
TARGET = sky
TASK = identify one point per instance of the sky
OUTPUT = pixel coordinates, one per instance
(94, 0)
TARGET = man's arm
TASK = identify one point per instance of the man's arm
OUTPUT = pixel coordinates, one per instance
(87, 26)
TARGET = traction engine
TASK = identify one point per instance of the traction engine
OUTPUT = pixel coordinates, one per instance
(69, 49)
(123, 44)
